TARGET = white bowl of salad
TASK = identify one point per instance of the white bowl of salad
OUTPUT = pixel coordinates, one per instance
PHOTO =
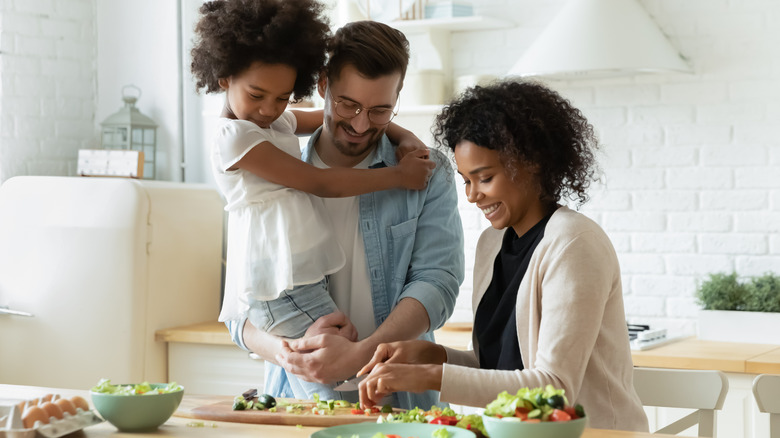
(136, 407)
(534, 412)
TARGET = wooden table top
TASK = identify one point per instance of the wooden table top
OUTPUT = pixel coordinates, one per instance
(184, 427)
(689, 353)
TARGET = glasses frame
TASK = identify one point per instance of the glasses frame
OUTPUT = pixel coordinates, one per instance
(361, 108)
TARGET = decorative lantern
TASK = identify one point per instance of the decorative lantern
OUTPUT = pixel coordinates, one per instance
(130, 130)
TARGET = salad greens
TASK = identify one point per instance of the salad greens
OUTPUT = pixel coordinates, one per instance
(538, 404)
(417, 415)
(104, 386)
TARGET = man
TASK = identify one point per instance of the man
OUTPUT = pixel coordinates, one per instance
(404, 249)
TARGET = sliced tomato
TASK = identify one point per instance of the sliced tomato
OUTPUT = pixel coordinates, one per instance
(357, 412)
(445, 420)
(375, 410)
(390, 435)
(559, 415)
(571, 411)
(522, 413)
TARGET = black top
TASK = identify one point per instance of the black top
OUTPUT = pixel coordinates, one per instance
(494, 322)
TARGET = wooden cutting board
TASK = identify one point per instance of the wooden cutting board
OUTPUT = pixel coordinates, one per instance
(220, 408)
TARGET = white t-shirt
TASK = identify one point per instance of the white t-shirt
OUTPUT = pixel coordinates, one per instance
(278, 238)
(353, 277)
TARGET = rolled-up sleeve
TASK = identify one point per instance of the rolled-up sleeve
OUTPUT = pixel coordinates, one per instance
(437, 266)
(236, 329)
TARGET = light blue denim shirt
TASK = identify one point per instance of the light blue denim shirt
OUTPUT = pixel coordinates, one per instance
(414, 248)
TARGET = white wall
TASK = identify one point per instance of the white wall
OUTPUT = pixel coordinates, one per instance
(47, 100)
(138, 43)
(692, 162)
(64, 64)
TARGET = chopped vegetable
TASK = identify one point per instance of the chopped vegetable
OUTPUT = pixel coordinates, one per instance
(104, 386)
(267, 401)
(441, 433)
(436, 415)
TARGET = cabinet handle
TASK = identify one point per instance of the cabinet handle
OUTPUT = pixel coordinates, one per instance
(4, 310)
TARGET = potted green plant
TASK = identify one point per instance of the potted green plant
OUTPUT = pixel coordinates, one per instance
(737, 310)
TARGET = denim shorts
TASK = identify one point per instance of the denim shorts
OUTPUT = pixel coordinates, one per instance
(294, 311)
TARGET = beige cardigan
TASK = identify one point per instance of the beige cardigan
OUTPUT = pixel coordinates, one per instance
(571, 327)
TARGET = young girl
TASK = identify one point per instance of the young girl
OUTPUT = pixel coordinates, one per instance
(262, 53)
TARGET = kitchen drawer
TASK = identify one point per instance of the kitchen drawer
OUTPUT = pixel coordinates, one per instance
(213, 369)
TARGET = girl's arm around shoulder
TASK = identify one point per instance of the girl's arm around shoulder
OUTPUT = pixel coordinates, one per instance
(308, 121)
(268, 162)
(406, 140)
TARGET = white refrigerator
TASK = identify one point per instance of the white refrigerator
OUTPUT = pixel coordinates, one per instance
(90, 268)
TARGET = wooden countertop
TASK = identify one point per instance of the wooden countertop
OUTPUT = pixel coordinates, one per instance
(689, 353)
(696, 354)
(456, 335)
(178, 426)
(211, 332)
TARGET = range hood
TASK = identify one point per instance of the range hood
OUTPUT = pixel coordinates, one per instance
(597, 39)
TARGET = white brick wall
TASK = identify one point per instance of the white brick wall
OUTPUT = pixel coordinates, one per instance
(691, 162)
(47, 101)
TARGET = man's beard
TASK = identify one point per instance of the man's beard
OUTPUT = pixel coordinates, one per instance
(354, 149)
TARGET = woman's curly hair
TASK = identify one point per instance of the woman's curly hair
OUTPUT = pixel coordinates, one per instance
(232, 34)
(531, 126)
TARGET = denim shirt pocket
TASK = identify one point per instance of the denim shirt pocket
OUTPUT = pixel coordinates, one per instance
(401, 246)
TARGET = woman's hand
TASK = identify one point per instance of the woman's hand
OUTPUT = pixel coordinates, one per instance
(335, 323)
(415, 170)
(408, 352)
(386, 378)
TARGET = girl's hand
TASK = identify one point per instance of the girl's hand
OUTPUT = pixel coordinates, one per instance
(387, 378)
(335, 323)
(415, 170)
(408, 145)
(409, 352)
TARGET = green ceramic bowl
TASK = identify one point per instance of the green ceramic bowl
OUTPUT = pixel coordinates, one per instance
(137, 413)
(500, 428)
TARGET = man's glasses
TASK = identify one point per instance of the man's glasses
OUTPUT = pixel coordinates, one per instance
(349, 109)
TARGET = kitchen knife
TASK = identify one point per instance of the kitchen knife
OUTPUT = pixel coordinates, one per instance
(350, 384)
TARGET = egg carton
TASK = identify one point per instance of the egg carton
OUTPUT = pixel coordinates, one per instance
(11, 423)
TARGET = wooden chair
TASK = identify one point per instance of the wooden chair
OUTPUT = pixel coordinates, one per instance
(703, 391)
(766, 390)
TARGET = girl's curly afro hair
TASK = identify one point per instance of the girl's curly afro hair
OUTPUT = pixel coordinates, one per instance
(531, 126)
(232, 34)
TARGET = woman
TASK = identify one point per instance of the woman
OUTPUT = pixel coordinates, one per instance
(547, 292)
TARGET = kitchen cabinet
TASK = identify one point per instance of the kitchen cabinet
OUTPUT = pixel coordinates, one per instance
(203, 359)
(430, 41)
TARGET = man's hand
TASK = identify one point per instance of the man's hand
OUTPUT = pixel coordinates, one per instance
(335, 323)
(324, 358)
